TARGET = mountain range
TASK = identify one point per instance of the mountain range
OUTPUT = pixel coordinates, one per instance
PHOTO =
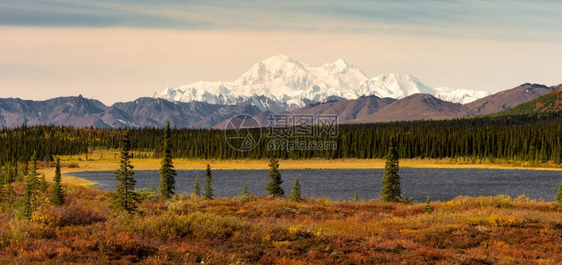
(154, 112)
(551, 102)
(287, 84)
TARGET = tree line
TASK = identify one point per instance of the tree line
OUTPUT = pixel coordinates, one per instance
(126, 197)
(524, 138)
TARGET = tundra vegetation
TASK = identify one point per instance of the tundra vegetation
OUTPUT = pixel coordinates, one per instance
(69, 223)
(276, 230)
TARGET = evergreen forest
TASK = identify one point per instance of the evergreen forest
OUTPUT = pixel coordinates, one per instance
(535, 138)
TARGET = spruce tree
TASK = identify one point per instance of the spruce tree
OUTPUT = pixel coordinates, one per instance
(245, 192)
(32, 174)
(167, 171)
(42, 183)
(125, 197)
(296, 192)
(196, 187)
(26, 207)
(391, 191)
(273, 188)
(8, 192)
(355, 197)
(208, 188)
(428, 208)
(559, 195)
(57, 196)
(8, 174)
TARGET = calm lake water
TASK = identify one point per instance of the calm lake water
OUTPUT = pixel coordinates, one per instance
(439, 184)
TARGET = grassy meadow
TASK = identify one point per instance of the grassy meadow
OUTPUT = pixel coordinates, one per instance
(259, 230)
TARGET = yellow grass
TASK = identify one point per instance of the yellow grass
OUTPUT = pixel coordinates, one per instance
(93, 164)
(107, 160)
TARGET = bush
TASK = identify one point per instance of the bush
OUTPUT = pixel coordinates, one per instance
(76, 214)
(124, 246)
(147, 194)
(73, 165)
(165, 226)
(499, 201)
(202, 225)
(505, 221)
(215, 226)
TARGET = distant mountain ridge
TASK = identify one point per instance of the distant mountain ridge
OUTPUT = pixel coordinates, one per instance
(551, 102)
(507, 99)
(83, 112)
(154, 112)
(291, 84)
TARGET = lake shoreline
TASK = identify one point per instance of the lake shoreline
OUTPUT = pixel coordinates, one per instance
(336, 184)
(83, 165)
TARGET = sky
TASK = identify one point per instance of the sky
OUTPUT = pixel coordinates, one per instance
(121, 50)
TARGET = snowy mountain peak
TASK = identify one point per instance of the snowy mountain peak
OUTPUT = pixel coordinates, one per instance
(401, 85)
(341, 63)
(339, 66)
(278, 59)
(282, 81)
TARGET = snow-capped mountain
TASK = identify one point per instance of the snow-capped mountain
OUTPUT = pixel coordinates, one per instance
(283, 82)
(462, 96)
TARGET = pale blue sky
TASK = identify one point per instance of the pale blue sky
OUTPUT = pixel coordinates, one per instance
(120, 50)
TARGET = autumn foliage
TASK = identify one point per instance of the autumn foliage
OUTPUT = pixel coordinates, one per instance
(266, 230)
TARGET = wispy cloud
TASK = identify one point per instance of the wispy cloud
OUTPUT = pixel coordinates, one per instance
(521, 20)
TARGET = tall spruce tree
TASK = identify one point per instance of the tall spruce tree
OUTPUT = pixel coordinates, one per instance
(9, 174)
(273, 188)
(296, 192)
(125, 197)
(208, 195)
(27, 202)
(167, 171)
(57, 196)
(9, 193)
(33, 175)
(391, 191)
(196, 187)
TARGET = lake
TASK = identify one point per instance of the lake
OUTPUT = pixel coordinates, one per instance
(440, 184)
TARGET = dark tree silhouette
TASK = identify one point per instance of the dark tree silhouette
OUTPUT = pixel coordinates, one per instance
(273, 188)
(208, 195)
(391, 191)
(57, 196)
(125, 197)
(167, 171)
